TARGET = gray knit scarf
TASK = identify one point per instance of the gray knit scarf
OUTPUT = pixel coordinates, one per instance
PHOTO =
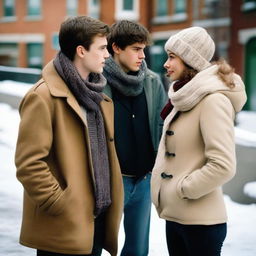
(88, 94)
(127, 84)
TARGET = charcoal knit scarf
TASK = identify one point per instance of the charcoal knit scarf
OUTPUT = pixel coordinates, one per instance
(88, 94)
(130, 84)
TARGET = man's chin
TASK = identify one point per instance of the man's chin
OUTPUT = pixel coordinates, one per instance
(135, 69)
(99, 71)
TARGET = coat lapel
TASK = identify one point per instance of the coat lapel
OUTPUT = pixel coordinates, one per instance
(76, 107)
(58, 88)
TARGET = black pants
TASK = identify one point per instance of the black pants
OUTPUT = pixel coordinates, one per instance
(98, 242)
(195, 240)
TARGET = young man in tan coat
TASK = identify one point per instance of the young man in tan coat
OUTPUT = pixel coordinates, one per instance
(65, 155)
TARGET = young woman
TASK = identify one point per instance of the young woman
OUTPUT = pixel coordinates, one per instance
(196, 155)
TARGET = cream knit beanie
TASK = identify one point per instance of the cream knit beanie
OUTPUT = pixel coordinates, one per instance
(193, 45)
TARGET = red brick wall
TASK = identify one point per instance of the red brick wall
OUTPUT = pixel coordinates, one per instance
(240, 20)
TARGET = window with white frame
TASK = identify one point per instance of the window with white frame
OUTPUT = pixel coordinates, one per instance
(9, 8)
(94, 9)
(34, 7)
(127, 9)
(170, 11)
(35, 55)
(9, 53)
(72, 7)
(249, 5)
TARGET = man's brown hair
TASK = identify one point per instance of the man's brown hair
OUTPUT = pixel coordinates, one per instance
(80, 30)
(124, 33)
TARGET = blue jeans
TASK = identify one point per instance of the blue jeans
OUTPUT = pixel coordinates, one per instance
(195, 240)
(137, 209)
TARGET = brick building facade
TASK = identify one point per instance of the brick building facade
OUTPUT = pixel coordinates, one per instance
(29, 28)
(242, 50)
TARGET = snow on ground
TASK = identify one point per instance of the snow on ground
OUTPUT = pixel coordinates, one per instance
(240, 241)
(14, 88)
(250, 189)
(245, 129)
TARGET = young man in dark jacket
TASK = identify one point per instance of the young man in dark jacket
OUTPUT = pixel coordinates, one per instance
(65, 153)
(138, 97)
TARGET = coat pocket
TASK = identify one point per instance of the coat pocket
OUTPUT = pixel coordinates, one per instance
(58, 206)
(179, 187)
(155, 188)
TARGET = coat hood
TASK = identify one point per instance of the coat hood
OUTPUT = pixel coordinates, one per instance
(236, 95)
(204, 83)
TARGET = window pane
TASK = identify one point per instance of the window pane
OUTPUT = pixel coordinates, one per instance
(158, 56)
(162, 7)
(94, 9)
(72, 7)
(250, 77)
(9, 8)
(249, 5)
(55, 41)
(128, 5)
(34, 7)
(8, 54)
(35, 55)
(180, 6)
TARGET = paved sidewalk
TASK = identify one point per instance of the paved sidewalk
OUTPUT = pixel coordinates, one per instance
(246, 172)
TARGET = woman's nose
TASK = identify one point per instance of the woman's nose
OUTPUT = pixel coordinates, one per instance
(166, 64)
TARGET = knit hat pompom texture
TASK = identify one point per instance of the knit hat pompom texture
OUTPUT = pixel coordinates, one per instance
(194, 46)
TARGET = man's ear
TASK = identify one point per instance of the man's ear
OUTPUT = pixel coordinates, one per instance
(80, 51)
(116, 49)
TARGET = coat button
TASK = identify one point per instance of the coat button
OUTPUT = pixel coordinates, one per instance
(166, 176)
(169, 132)
(111, 139)
(170, 154)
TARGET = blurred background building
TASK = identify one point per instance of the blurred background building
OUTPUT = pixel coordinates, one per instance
(29, 29)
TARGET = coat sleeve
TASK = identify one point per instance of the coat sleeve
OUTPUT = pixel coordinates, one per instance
(33, 146)
(159, 99)
(162, 96)
(217, 129)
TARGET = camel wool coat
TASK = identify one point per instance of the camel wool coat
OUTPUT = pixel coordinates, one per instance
(196, 155)
(54, 165)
